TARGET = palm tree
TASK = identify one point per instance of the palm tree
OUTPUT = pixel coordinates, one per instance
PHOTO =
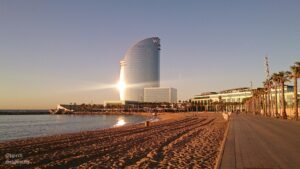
(275, 80)
(255, 98)
(283, 77)
(264, 103)
(261, 92)
(264, 100)
(267, 85)
(271, 84)
(295, 75)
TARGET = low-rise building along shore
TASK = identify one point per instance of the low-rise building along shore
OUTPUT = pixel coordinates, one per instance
(233, 99)
(226, 100)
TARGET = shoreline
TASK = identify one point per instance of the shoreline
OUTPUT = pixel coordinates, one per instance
(148, 115)
(24, 113)
(160, 117)
(194, 135)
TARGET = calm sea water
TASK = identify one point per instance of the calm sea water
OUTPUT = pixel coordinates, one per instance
(23, 126)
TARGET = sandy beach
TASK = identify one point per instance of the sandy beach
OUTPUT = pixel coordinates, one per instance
(178, 140)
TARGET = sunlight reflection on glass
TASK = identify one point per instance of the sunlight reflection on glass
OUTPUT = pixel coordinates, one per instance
(121, 84)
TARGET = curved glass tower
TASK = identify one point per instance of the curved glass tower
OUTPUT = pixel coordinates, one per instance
(140, 69)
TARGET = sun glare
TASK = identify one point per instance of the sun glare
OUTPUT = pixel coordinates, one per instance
(121, 86)
(120, 122)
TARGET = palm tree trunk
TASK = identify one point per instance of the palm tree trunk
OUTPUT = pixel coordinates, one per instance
(295, 98)
(276, 101)
(260, 103)
(283, 101)
(266, 104)
(255, 105)
(270, 102)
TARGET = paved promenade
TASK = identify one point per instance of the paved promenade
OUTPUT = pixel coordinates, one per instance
(260, 142)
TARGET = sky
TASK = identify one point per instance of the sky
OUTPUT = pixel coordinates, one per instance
(66, 51)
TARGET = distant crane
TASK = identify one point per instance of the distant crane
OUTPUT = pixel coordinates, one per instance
(269, 94)
(267, 67)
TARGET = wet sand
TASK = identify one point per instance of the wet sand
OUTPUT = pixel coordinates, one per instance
(178, 140)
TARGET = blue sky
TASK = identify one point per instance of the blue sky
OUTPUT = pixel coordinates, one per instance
(61, 51)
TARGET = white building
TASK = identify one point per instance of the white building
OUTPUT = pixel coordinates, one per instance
(159, 95)
(230, 95)
(236, 96)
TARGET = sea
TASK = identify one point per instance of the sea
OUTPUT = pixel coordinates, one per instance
(25, 126)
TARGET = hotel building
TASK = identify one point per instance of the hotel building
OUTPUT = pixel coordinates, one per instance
(140, 75)
(140, 69)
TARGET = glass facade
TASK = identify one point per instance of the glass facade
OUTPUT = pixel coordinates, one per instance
(140, 69)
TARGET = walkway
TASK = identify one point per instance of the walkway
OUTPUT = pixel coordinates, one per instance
(261, 142)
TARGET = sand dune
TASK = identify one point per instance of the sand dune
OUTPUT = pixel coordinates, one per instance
(180, 141)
